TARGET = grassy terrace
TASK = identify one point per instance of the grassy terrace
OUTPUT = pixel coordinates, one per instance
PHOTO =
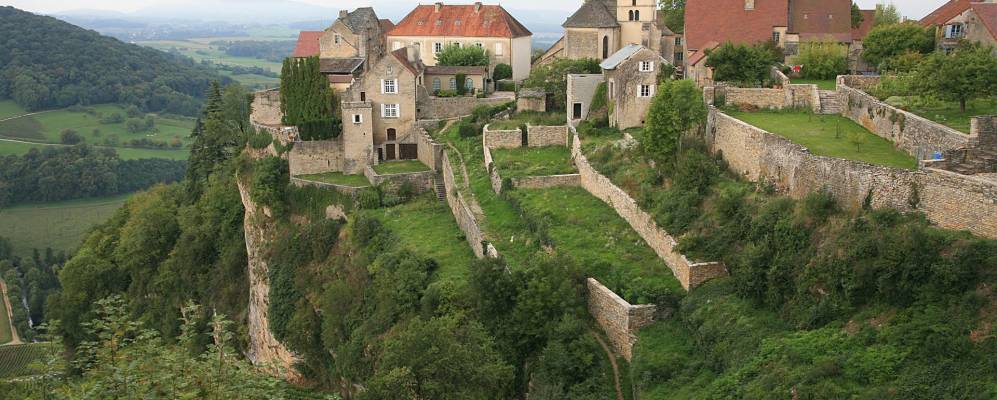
(337, 178)
(533, 161)
(573, 222)
(822, 84)
(533, 118)
(60, 225)
(426, 226)
(400, 167)
(946, 112)
(829, 135)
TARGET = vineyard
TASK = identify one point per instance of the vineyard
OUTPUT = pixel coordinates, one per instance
(15, 360)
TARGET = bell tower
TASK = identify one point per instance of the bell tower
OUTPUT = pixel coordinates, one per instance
(638, 21)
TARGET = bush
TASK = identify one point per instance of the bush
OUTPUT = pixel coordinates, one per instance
(260, 140)
(70, 136)
(112, 118)
(823, 60)
(368, 199)
(456, 55)
(461, 81)
(506, 86)
(467, 129)
(502, 71)
(269, 183)
(447, 93)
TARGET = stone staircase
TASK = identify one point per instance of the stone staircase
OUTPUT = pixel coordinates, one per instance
(975, 161)
(441, 189)
(830, 103)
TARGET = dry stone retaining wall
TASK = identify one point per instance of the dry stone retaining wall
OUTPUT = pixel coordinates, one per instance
(420, 181)
(502, 139)
(549, 181)
(688, 273)
(540, 136)
(619, 319)
(464, 215)
(314, 157)
(493, 173)
(347, 190)
(451, 107)
(430, 152)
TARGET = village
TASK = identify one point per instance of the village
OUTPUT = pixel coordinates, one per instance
(413, 120)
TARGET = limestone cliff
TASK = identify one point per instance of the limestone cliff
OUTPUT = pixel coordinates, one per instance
(264, 348)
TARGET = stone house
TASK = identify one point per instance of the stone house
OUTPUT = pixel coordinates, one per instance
(600, 28)
(347, 47)
(958, 20)
(444, 78)
(631, 76)
(433, 27)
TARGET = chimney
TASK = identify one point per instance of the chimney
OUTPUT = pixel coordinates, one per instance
(343, 13)
(439, 5)
(412, 51)
(477, 6)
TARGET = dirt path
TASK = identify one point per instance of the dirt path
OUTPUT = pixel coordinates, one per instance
(38, 143)
(612, 360)
(14, 339)
(23, 115)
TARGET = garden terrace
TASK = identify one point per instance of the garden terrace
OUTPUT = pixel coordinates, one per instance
(400, 167)
(822, 84)
(829, 135)
(337, 178)
(533, 118)
(534, 161)
(945, 112)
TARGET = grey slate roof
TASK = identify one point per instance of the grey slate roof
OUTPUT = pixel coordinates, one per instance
(618, 57)
(361, 18)
(593, 14)
(339, 65)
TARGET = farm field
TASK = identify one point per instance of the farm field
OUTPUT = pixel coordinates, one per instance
(46, 127)
(15, 360)
(6, 333)
(59, 225)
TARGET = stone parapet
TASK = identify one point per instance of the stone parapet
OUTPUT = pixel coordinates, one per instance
(419, 181)
(619, 319)
(315, 157)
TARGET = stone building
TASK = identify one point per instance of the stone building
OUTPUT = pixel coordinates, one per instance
(600, 28)
(958, 20)
(347, 47)
(444, 78)
(631, 79)
(435, 26)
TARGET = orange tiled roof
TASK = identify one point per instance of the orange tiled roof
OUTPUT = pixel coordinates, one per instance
(308, 45)
(820, 19)
(946, 12)
(473, 20)
(727, 21)
(868, 19)
(987, 13)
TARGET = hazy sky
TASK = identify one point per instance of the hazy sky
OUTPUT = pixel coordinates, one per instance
(911, 8)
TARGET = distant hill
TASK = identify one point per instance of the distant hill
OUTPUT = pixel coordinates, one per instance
(47, 63)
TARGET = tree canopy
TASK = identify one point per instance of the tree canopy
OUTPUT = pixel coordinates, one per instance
(553, 77)
(677, 107)
(891, 40)
(742, 64)
(467, 56)
(46, 63)
(969, 72)
(307, 101)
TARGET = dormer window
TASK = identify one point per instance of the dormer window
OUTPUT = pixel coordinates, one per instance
(389, 70)
(646, 66)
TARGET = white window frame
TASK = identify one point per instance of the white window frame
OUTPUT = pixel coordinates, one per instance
(396, 45)
(437, 47)
(390, 110)
(357, 119)
(647, 66)
(389, 86)
(648, 88)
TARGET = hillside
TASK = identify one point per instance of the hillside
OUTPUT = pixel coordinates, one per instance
(46, 63)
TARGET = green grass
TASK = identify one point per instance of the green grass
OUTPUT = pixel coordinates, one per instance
(15, 360)
(822, 84)
(533, 161)
(60, 226)
(533, 118)
(427, 226)
(338, 178)
(8, 108)
(400, 167)
(6, 334)
(946, 112)
(14, 148)
(200, 49)
(817, 133)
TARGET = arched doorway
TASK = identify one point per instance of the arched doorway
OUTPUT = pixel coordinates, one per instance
(392, 134)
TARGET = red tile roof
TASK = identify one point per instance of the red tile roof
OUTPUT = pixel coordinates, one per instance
(821, 19)
(340, 78)
(460, 21)
(987, 13)
(307, 44)
(727, 21)
(387, 25)
(701, 53)
(868, 19)
(946, 12)
(402, 56)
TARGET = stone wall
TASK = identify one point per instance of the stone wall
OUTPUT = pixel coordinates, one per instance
(950, 200)
(860, 82)
(581, 89)
(347, 190)
(619, 319)
(420, 181)
(688, 273)
(451, 107)
(755, 97)
(314, 157)
(502, 139)
(540, 136)
(430, 152)
(266, 107)
(464, 214)
(543, 182)
(917, 136)
(493, 173)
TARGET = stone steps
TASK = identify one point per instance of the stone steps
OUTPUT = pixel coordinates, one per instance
(441, 189)
(830, 103)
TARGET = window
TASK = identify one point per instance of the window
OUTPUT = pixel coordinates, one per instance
(646, 66)
(954, 31)
(646, 90)
(749, 4)
(679, 56)
(612, 89)
(631, 15)
(453, 83)
(338, 38)
(357, 119)
(437, 47)
(605, 47)
(392, 134)
(479, 45)
(633, 3)
(389, 70)
(469, 84)
(389, 86)
(678, 41)
(636, 15)
(436, 85)
(776, 36)
(498, 49)
(389, 110)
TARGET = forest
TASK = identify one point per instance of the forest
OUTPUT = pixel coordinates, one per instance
(46, 63)
(78, 172)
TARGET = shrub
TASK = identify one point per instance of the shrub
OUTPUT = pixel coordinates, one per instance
(467, 129)
(456, 55)
(447, 93)
(70, 136)
(502, 71)
(823, 60)
(368, 199)
(269, 182)
(112, 118)
(259, 140)
(742, 64)
(461, 81)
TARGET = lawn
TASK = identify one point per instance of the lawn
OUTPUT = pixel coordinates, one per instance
(5, 332)
(533, 118)
(946, 112)
(400, 167)
(337, 178)
(534, 161)
(818, 133)
(822, 84)
(427, 226)
(60, 226)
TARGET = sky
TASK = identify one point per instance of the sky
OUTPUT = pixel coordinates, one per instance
(914, 9)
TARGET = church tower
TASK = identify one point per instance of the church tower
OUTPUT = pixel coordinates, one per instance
(638, 21)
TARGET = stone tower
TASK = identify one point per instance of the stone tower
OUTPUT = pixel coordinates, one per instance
(638, 21)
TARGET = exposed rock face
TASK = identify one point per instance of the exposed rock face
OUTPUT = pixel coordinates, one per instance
(264, 349)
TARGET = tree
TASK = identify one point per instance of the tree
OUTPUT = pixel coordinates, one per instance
(742, 64)
(968, 72)
(886, 41)
(502, 71)
(461, 84)
(676, 109)
(553, 77)
(673, 13)
(857, 17)
(70, 136)
(886, 14)
(467, 56)
(823, 60)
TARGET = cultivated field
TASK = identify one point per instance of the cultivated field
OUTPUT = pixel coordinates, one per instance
(15, 360)
(200, 49)
(60, 226)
